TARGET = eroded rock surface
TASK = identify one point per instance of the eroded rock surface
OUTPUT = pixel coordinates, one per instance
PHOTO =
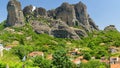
(15, 14)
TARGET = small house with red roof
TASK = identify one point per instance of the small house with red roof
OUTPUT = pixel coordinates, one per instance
(7, 48)
(36, 53)
(115, 65)
(114, 60)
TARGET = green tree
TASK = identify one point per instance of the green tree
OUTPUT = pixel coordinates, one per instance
(93, 64)
(41, 62)
(2, 65)
(20, 51)
(60, 60)
(87, 56)
(91, 45)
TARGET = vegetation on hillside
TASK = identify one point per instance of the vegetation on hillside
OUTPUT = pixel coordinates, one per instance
(29, 41)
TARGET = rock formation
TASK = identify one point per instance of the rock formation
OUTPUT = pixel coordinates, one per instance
(81, 15)
(69, 16)
(56, 28)
(35, 11)
(66, 13)
(41, 27)
(74, 15)
(15, 15)
(110, 28)
(66, 21)
(40, 11)
(62, 30)
(28, 10)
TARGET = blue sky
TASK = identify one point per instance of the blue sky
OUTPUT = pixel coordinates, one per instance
(103, 12)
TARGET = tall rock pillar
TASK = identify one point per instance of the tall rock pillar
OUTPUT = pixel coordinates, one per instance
(15, 14)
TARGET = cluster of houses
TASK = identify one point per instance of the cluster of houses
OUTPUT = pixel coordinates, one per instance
(113, 61)
(73, 52)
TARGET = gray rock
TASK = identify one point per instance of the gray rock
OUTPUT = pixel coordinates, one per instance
(61, 22)
(32, 10)
(82, 15)
(15, 15)
(40, 12)
(66, 13)
(61, 30)
(81, 32)
(93, 25)
(40, 27)
(28, 10)
(110, 28)
(74, 15)
(51, 14)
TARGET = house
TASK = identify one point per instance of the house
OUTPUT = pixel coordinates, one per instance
(115, 65)
(76, 61)
(79, 59)
(84, 61)
(36, 53)
(104, 60)
(7, 48)
(114, 60)
(75, 52)
(1, 50)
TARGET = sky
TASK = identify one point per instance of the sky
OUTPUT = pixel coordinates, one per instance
(103, 12)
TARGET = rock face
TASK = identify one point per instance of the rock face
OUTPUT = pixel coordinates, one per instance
(35, 11)
(80, 32)
(40, 27)
(66, 13)
(40, 11)
(61, 30)
(66, 21)
(62, 20)
(15, 15)
(81, 15)
(110, 28)
(28, 10)
(56, 28)
(74, 15)
(93, 25)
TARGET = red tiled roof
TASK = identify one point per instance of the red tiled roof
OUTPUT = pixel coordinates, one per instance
(36, 53)
(76, 61)
(115, 65)
(8, 46)
(84, 61)
(80, 57)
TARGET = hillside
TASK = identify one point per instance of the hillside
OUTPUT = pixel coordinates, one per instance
(65, 37)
